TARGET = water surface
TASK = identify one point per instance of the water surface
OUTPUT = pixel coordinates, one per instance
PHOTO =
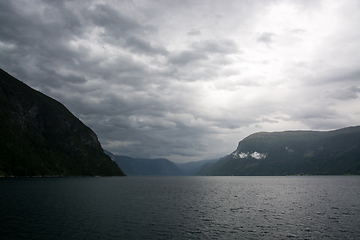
(310, 207)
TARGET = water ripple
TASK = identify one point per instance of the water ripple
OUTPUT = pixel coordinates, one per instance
(181, 208)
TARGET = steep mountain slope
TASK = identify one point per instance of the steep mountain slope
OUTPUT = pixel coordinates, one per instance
(39, 136)
(190, 168)
(293, 152)
(144, 166)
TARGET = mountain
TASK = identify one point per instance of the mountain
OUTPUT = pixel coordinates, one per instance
(39, 136)
(190, 168)
(144, 166)
(292, 153)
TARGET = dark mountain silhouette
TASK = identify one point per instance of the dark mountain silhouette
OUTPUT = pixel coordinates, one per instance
(145, 166)
(190, 168)
(39, 136)
(292, 153)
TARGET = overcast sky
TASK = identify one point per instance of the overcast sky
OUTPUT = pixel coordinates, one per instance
(187, 80)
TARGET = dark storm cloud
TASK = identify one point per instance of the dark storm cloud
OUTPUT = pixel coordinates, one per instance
(185, 57)
(115, 24)
(39, 40)
(139, 45)
(185, 79)
(202, 59)
(42, 25)
(122, 30)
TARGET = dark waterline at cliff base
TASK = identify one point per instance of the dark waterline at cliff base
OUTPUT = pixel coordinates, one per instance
(308, 207)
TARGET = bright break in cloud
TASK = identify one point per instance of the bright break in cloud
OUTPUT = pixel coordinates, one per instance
(187, 80)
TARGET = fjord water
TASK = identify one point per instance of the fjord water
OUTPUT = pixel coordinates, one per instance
(307, 207)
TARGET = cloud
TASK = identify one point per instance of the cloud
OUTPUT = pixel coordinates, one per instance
(114, 23)
(194, 32)
(297, 31)
(141, 46)
(345, 94)
(255, 155)
(185, 57)
(187, 80)
(266, 37)
(203, 50)
(223, 46)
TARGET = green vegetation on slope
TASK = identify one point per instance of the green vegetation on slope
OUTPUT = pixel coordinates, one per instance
(292, 153)
(39, 136)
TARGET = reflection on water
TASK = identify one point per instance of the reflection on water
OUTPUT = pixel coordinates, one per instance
(180, 208)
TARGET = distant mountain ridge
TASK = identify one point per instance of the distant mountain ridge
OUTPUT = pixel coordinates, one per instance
(40, 137)
(292, 153)
(191, 168)
(145, 166)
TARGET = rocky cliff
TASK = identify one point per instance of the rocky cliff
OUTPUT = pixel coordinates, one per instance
(39, 136)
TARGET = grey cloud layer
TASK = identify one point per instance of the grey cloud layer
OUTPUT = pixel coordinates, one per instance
(182, 79)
